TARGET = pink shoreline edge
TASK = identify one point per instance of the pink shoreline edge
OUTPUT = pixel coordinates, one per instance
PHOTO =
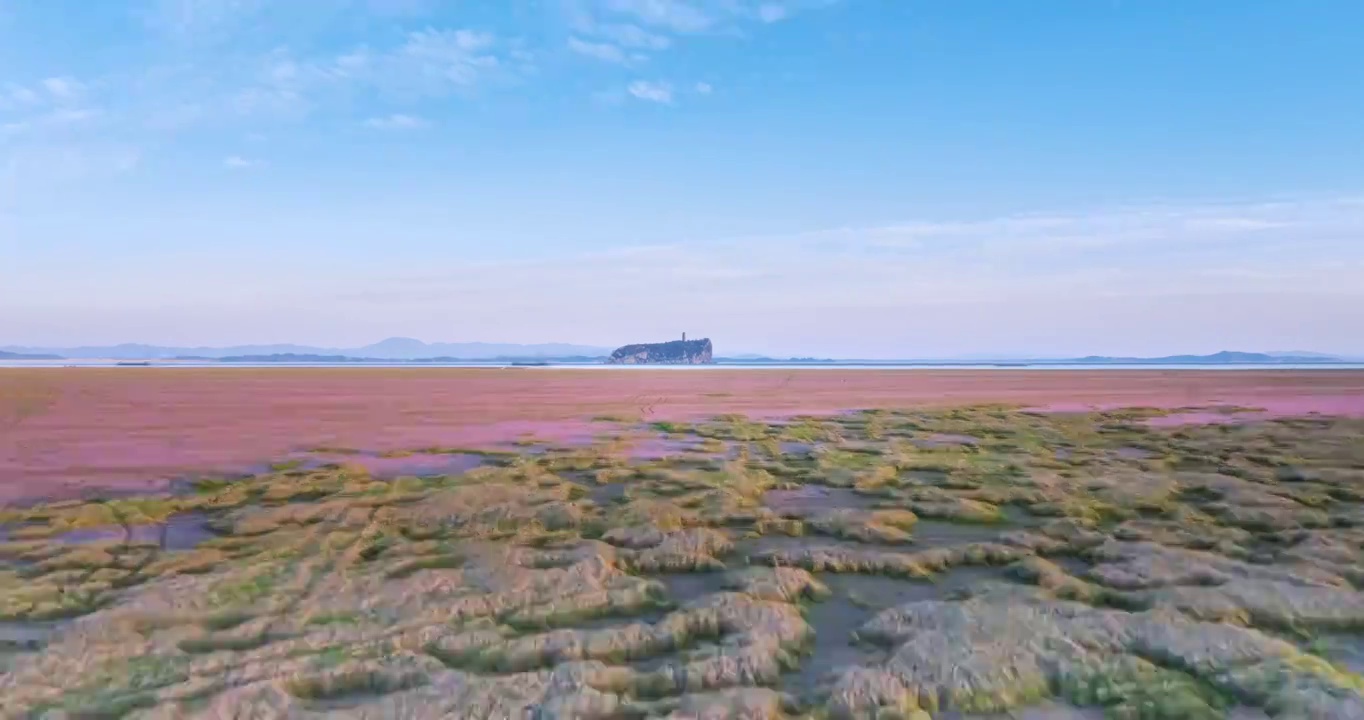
(502, 436)
(1267, 409)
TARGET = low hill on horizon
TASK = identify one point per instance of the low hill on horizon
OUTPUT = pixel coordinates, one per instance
(395, 348)
(410, 350)
(5, 355)
(1225, 356)
(308, 358)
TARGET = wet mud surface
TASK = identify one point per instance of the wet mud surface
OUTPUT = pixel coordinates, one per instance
(865, 565)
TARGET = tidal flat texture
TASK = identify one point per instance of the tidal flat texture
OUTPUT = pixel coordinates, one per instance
(980, 562)
(66, 431)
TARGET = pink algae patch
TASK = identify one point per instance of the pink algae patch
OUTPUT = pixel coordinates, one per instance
(490, 435)
(66, 430)
(1239, 411)
(1076, 407)
(1343, 406)
(1267, 410)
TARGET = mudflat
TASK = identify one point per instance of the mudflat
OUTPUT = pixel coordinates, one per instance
(66, 430)
(1189, 563)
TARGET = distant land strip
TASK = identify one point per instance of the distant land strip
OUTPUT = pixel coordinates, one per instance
(1220, 358)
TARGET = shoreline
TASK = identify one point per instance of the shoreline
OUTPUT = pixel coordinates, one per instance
(859, 365)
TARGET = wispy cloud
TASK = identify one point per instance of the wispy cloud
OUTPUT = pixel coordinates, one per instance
(198, 19)
(398, 121)
(657, 92)
(1203, 288)
(48, 120)
(1126, 280)
(62, 88)
(40, 167)
(646, 26)
(599, 50)
(43, 94)
(237, 162)
(440, 58)
(675, 15)
(1123, 252)
(771, 12)
(633, 36)
(241, 66)
(427, 63)
(235, 67)
(17, 96)
(400, 8)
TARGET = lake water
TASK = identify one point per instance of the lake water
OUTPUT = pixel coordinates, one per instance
(852, 365)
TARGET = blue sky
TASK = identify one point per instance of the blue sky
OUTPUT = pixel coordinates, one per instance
(825, 177)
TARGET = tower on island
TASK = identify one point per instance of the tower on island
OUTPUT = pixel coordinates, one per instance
(684, 337)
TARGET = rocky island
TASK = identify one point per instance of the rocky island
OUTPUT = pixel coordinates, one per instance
(676, 352)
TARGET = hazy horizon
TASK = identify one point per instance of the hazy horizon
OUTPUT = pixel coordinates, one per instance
(396, 348)
(828, 178)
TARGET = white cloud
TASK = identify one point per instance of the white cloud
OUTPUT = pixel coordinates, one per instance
(771, 12)
(448, 48)
(601, 51)
(1141, 229)
(242, 65)
(1281, 275)
(52, 111)
(218, 25)
(62, 88)
(427, 63)
(674, 15)
(620, 20)
(658, 92)
(619, 30)
(398, 121)
(1159, 251)
(51, 120)
(17, 96)
(237, 162)
(48, 93)
(39, 167)
(633, 36)
(704, 88)
(978, 286)
(268, 102)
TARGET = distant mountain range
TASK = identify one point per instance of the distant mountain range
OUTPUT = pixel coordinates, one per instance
(409, 350)
(309, 358)
(1226, 357)
(27, 356)
(396, 348)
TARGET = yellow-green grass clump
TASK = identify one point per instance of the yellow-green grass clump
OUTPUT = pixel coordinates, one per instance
(1156, 572)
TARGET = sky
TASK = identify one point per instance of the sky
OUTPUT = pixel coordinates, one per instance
(845, 178)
